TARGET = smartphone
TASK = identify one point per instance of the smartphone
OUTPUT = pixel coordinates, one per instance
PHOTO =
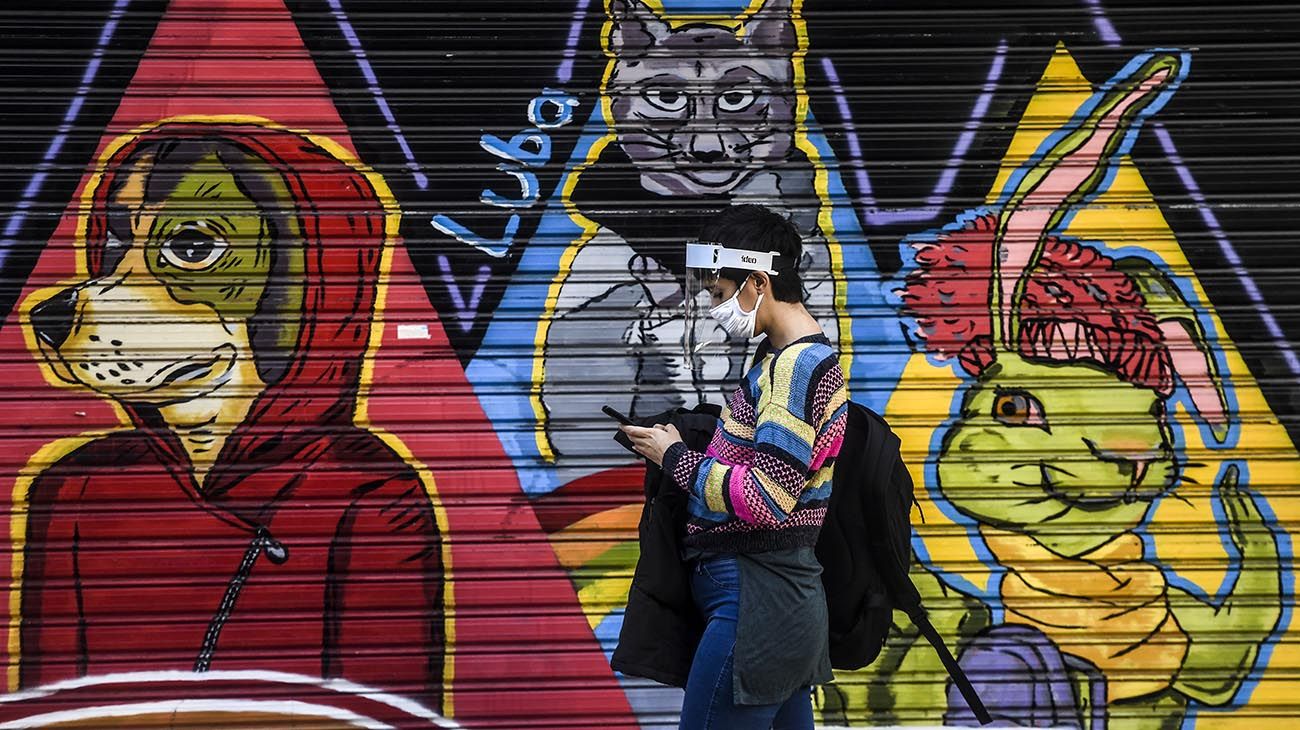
(617, 416)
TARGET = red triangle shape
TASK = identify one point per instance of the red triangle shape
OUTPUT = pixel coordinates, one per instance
(246, 57)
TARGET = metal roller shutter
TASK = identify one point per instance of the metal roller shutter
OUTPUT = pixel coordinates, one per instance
(311, 306)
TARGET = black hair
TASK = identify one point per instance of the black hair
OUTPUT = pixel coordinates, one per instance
(755, 228)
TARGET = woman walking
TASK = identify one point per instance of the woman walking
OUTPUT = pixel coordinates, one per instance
(758, 494)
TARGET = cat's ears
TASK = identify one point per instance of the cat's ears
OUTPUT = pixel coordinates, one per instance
(771, 28)
(635, 28)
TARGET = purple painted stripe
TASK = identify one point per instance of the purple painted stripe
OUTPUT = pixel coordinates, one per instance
(41, 174)
(564, 73)
(1104, 29)
(1229, 251)
(850, 131)
(345, 26)
(972, 126)
(943, 186)
(466, 310)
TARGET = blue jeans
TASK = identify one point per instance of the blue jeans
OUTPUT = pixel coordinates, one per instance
(708, 705)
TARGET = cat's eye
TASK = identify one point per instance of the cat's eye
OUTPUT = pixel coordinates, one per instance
(192, 249)
(736, 100)
(1019, 408)
(669, 100)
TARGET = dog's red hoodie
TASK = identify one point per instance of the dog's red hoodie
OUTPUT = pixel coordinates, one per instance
(312, 547)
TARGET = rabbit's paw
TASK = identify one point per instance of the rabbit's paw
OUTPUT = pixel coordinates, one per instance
(1254, 606)
(1246, 524)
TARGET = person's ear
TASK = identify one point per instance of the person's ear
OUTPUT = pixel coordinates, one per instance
(761, 282)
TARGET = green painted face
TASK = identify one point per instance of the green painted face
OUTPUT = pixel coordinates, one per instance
(1067, 453)
(200, 281)
(210, 243)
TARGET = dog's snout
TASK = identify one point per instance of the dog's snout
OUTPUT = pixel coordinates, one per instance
(52, 318)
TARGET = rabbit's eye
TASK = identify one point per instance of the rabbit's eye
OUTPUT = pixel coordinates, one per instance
(1018, 408)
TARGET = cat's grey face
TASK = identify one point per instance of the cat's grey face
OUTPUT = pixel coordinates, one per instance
(700, 108)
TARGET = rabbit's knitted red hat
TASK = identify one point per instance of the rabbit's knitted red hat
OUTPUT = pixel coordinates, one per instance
(1077, 307)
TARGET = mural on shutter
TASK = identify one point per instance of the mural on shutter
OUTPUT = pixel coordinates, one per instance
(306, 372)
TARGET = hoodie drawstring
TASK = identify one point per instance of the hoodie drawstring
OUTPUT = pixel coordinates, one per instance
(276, 552)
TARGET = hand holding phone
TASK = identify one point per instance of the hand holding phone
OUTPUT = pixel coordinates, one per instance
(617, 416)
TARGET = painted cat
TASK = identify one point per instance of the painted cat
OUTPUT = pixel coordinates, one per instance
(703, 115)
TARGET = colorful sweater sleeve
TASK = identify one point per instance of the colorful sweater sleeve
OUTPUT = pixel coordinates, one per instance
(758, 477)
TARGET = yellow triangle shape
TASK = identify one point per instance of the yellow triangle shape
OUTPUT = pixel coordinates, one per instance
(1126, 216)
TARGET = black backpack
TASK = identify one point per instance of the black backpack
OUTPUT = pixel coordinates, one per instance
(866, 579)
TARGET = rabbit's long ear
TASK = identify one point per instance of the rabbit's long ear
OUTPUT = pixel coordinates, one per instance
(1067, 173)
(1188, 345)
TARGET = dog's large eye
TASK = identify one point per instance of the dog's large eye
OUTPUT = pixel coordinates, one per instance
(1019, 408)
(736, 100)
(193, 250)
(670, 100)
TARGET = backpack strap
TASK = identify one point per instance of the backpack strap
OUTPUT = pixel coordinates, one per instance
(959, 677)
(884, 447)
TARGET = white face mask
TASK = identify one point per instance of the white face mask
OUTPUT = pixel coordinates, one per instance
(734, 320)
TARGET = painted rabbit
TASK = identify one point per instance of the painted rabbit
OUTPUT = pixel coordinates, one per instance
(1061, 445)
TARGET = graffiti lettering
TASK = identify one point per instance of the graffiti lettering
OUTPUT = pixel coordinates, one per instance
(274, 457)
(529, 148)
(564, 107)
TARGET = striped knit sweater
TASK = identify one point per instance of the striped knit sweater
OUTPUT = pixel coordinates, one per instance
(765, 479)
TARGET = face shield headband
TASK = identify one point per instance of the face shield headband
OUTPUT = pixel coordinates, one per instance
(714, 257)
(706, 334)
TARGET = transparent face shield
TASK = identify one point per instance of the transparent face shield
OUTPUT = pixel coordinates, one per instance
(705, 336)
(707, 344)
